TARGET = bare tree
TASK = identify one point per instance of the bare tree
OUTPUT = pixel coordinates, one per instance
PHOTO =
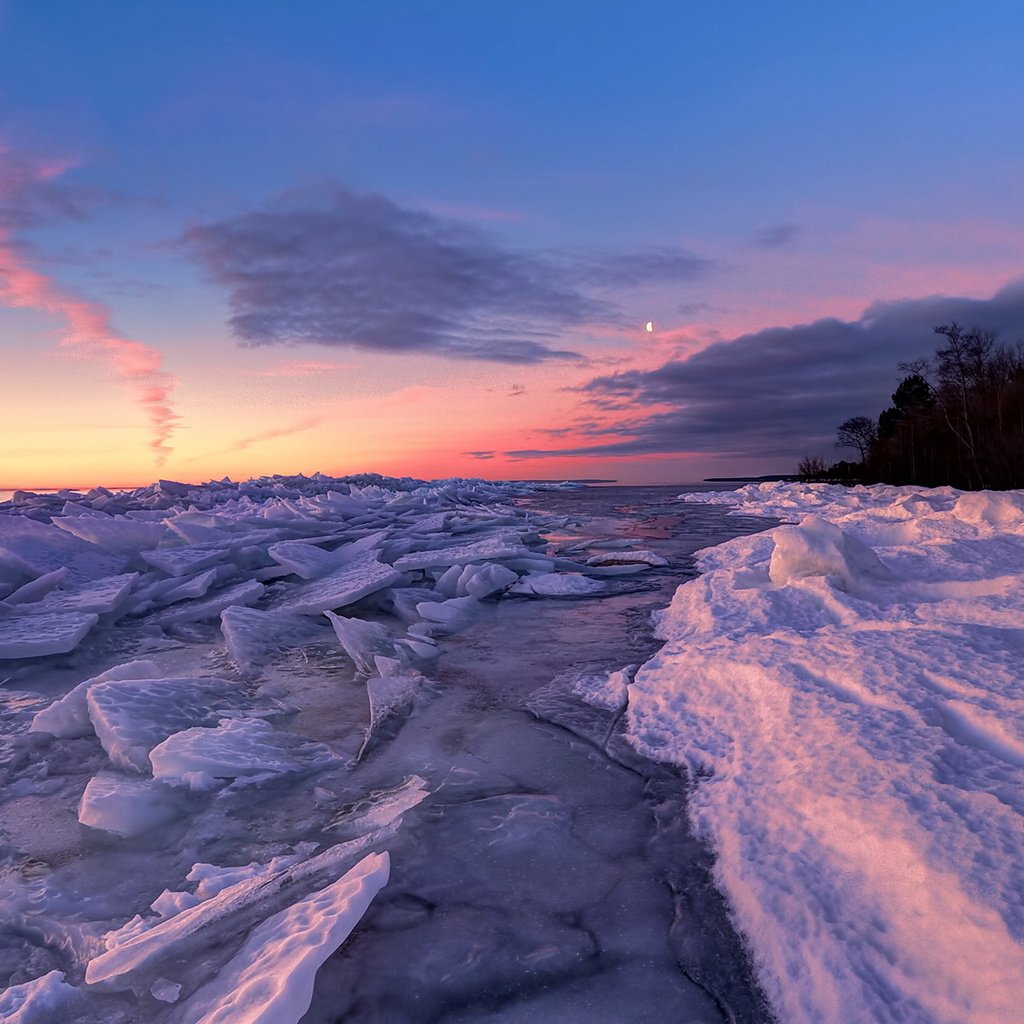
(858, 432)
(812, 467)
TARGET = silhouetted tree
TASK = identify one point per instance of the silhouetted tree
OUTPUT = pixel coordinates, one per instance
(858, 432)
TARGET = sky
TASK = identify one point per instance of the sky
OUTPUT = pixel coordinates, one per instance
(427, 239)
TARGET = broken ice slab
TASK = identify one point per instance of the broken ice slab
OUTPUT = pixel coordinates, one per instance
(237, 749)
(379, 808)
(34, 632)
(481, 581)
(43, 1000)
(270, 981)
(362, 640)
(253, 636)
(501, 546)
(245, 593)
(126, 806)
(559, 585)
(121, 535)
(610, 558)
(102, 596)
(305, 559)
(36, 589)
(131, 716)
(347, 584)
(184, 561)
(232, 910)
(68, 717)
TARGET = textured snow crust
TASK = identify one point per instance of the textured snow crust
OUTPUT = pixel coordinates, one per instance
(847, 693)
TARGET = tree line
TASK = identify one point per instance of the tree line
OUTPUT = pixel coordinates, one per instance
(956, 418)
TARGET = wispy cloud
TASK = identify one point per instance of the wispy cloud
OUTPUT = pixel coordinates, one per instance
(30, 194)
(302, 368)
(306, 423)
(342, 268)
(779, 392)
(776, 236)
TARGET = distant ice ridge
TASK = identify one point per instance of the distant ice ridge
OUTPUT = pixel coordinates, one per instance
(847, 692)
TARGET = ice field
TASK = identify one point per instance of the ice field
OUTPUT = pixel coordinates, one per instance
(382, 751)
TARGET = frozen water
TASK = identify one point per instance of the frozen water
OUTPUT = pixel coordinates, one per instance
(500, 546)
(559, 585)
(41, 1001)
(245, 593)
(362, 640)
(253, 637)
(627, 557)
(481, 581)
(121, 535)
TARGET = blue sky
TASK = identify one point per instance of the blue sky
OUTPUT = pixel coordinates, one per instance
(809, 159)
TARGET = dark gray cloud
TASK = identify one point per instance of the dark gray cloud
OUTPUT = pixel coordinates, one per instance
(481, 455)
(781, 392)
(776, 236)
(344, 268)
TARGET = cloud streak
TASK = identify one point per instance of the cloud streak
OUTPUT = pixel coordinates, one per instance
(778, 393)
(29, 195)
(342, 268)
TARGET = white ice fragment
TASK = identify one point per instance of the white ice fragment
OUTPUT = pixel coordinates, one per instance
(37, 588)
(237, 749)
(447, 583)
(450, 616)
(245, 593)
(118, 534)
(819, 548)
(354, 580)
(102, 596)
(499, 546)
(270, 981)
(622, 557)
(559, 585)
(68, 717)
(33, 631)
(125, 806)
(131, 716)
(231, 910)
(481, 581)
(253, 636)
(362, 640)
(164, 990)
(40, 1001)
(380, 808)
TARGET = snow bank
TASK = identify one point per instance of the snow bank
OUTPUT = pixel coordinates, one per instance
(854, 719)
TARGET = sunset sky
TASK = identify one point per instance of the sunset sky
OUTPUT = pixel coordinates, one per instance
(425, 238)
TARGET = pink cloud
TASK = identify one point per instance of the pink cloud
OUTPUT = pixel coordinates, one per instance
(302, 368)
(86, 325)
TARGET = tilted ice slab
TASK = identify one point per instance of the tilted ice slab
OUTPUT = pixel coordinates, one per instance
(855, 723)
(31, 549)
(236, 749)
(126, 806)
(308, 561)
(211, 607)
(131, 716)
(362, 640)
(623, 557)
(270, 981)
(121, 535)
(102, 596)
(32, 631)
(130, 953)
(253, 636)
(343, 586)
(559, 585)
(68, 717)
(492, 548)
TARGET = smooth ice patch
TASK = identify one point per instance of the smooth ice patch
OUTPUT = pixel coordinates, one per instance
(126, 806)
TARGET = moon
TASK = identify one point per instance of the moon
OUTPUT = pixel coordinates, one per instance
(650, 326)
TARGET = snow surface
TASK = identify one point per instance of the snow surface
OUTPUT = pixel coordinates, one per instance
(847, 693)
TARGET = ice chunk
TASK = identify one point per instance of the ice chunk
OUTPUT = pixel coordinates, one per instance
(37, 588)
(33, 631)
(450, 616)
(165, 990)
(236, 749)
(489, 549)
(41, 1001)
(121, 535)
(380, 808)
(627, 558)
(819, 548)
(245, 593)
(68, 717)
(231, 910)
(253, 636)
(388, 693)
(308, 561)
(131, 716)
(270, 981)
(559, 585)
(102, 596)
(481, 581)
(345, 585)
(125, 806)
(405, 600)
(185, 561)
(362, 640)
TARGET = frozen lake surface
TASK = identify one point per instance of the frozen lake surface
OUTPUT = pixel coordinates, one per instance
(540, 869)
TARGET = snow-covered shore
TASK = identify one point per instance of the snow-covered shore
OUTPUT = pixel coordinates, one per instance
(848, 694)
